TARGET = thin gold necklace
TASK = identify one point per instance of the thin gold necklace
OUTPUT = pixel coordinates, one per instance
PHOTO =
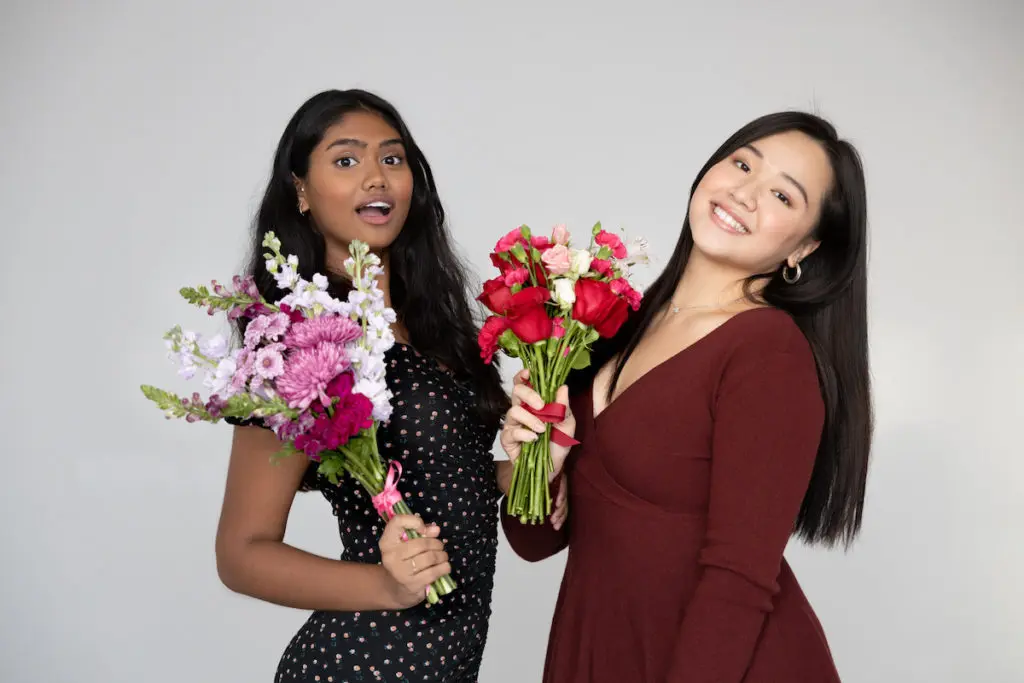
(676, 308)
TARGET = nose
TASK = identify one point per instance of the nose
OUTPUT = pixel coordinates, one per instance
(746, 194)
(374, 179)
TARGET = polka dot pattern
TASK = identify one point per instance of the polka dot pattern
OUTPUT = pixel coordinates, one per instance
(448, 478)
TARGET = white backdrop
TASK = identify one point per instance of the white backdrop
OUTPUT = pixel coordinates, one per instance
(136, 138)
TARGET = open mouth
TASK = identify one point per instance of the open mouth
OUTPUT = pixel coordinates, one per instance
(728, 221)
(375, 209)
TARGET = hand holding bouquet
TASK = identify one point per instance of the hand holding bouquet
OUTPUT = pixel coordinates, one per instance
(310, 367)
(550, 303)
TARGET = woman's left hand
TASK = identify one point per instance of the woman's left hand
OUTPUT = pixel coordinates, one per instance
(561, 508)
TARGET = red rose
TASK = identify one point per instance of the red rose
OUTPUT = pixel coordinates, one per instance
(492, 330)
(527, 315)
(496, 296)
(598, 306)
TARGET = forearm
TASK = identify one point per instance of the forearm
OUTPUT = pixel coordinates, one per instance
(284, 575)
(534, 542)
(503, 471)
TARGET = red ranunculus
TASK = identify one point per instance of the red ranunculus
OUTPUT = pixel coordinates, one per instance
(598, 306)
(492, 330)
(496, 296)
(527, 315)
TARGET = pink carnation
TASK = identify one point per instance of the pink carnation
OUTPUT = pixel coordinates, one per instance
(516, 277)
(602, 266)
(510, 240)
(607, 239)
(308, 372)
(626, 291)
(334, 329)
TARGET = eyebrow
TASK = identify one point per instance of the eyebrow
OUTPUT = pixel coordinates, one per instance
(756, 152)
(353, 142)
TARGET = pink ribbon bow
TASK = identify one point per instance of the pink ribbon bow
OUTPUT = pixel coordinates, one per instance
(384, 502)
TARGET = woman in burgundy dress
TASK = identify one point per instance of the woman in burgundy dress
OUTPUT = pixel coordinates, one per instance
(731, 412)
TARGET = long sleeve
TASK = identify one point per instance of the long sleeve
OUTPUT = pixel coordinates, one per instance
(768, 417)
(534, 542)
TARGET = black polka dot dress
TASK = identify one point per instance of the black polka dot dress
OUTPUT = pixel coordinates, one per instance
(448, 478)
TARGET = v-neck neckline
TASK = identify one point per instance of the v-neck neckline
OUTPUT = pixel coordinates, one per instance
(594, 416)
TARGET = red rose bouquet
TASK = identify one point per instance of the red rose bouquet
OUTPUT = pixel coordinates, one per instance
(550, 303)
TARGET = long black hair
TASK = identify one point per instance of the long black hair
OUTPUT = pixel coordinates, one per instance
(428, 279)
(828, 302)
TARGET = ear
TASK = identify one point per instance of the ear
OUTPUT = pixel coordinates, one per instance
(802, 252)
(300, 190)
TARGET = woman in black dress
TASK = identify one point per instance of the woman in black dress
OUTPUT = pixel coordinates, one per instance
(347, 168)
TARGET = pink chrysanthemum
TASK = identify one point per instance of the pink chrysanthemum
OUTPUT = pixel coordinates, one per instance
(277, 326)
(255, 330)
(308, 372)
(332, 329)
(269, 362)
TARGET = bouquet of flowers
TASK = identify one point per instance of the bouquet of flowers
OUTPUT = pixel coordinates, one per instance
(310, 367)
(550, 303)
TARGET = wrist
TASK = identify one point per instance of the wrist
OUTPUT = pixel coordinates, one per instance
(388, 589)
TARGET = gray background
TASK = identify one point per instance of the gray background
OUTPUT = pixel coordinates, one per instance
(137, 136)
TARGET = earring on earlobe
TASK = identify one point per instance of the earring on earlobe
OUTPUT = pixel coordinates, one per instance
(787, 277)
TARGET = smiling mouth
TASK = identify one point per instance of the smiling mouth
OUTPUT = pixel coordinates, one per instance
(726, 220)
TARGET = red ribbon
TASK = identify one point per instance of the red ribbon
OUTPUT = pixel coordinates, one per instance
(553, 413)
(384, 502)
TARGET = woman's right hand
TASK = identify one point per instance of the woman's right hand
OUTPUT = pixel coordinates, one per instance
(522, 426)
(412, 564)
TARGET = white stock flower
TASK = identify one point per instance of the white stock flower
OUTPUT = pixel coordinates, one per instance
(214, 348)
(320, 281)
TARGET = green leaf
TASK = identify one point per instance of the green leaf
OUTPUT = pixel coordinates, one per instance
(581, 359)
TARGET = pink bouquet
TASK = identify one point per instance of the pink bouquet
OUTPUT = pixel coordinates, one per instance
(310, 367)
(550, 303)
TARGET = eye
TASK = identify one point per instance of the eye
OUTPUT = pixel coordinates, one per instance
(742, 165)
(393, 160)
(782, 198)
(346, 162)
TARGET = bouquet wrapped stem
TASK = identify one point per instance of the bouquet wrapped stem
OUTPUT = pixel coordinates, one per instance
(550, 304)
(311, 368)
(367, 468)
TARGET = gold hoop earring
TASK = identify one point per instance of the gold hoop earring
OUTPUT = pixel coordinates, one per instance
(790, 280)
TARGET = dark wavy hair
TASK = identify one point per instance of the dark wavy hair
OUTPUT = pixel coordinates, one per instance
(429, 282)
(828, 302)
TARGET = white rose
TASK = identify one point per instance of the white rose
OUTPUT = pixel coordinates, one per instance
(580, 261)
(565, 292)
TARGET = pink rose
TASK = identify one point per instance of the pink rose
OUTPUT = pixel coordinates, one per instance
(560, 235)
(557, 259)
